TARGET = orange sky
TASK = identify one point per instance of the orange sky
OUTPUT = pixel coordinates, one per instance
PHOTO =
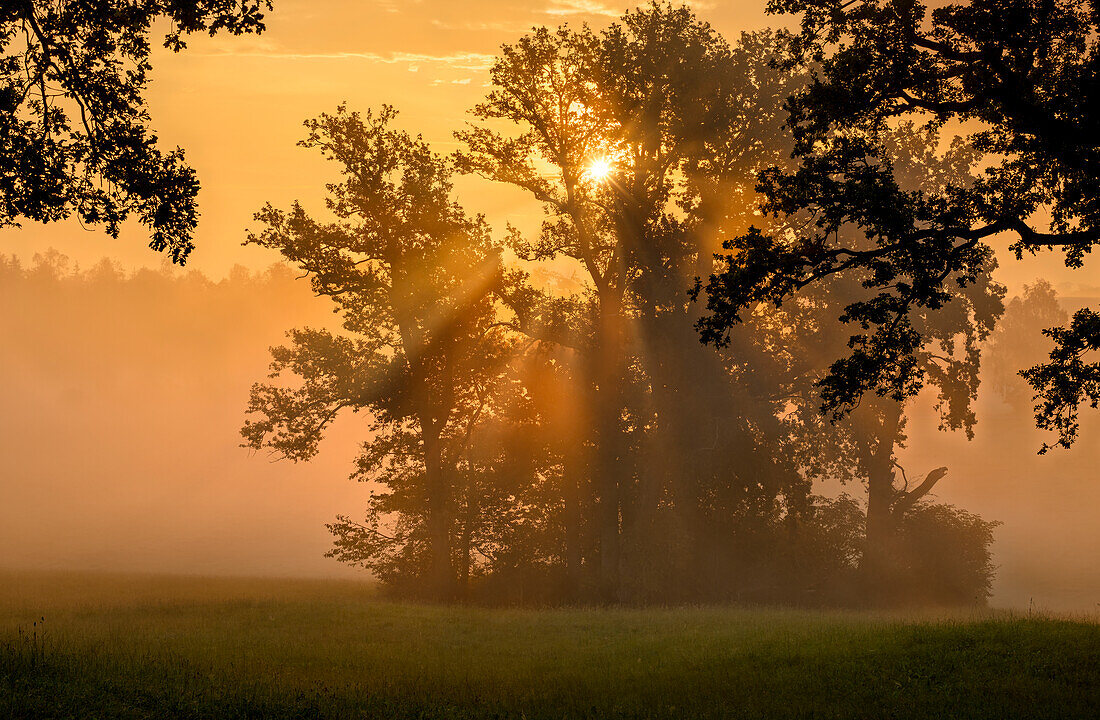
(236, 105)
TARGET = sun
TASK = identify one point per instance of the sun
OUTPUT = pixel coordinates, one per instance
(599, 169)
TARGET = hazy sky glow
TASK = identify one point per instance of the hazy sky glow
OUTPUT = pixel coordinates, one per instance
(236, 104)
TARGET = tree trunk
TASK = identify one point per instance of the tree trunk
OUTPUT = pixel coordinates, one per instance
(607, 487)
(609, 456)
(441, 576)
(877, 554)
(878, 565)
(465, 554)
(571, 493)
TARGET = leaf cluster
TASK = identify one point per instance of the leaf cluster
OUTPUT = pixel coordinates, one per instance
(74, 128)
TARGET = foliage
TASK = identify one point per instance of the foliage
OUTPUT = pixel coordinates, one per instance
(945, 556)
(535, 444)
(945, 343)
(74, 135)
(941, 556)
(906, 337)
(1014, 79)
(680, 122)
(1068, 380)
(410, 275)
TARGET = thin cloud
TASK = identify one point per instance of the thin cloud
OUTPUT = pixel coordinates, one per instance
(393, 6)
(517, 26)
(581, 7)
(460, 61)
(596, 7)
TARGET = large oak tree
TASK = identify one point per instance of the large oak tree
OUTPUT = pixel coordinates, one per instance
(641, 142)
(1014, 79)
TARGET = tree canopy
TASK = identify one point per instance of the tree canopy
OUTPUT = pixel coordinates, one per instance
(533, 440)
(74, 130)
(409, 272)
(1012, 80)
(642, 142)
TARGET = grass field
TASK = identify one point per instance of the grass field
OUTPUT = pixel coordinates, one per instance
(134, 647)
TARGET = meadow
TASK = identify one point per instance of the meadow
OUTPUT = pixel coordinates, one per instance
(87, 646)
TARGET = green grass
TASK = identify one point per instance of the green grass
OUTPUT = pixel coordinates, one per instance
(133, 647)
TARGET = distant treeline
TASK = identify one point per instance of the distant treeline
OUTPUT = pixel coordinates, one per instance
(542, 439)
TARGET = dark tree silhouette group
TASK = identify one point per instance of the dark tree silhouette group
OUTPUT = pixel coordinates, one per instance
(545, 425)
(1013, 79)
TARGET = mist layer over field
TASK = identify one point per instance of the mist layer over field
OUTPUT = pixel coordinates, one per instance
(122, 395)
(119, 414)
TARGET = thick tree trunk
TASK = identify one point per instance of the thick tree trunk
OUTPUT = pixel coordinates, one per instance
(609, 500)
(684, 377)
(879, 562)
(441, 575)
(688, 385)
(878, 555)
(571, 494)
(609, 456)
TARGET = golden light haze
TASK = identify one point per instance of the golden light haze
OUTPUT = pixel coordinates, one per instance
(174, 492)
(236, 104)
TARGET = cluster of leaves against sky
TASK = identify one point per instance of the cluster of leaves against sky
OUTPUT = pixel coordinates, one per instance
(74, 132)
(1017, 74)
(1016, 79)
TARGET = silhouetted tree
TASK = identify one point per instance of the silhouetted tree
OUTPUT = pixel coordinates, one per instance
(635, 140)
(74, 135)
(410, 274)
(542, 87)
(863, 443)
(1019, 75)
(538, 441)
(1068, 379)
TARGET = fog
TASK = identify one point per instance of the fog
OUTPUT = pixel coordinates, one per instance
(120, 406)
(1046, 549)
(122, 395)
